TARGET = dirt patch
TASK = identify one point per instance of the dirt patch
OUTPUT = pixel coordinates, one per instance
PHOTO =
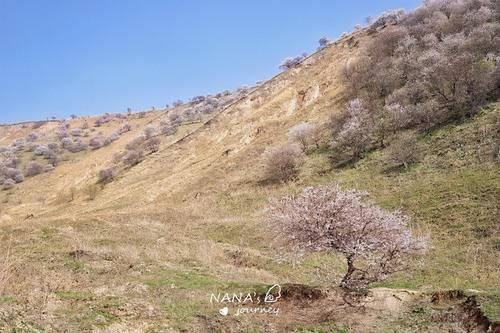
(445, 296)
(473, 318)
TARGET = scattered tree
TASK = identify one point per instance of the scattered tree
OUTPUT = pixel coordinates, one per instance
(375, 242)
(292, 62)
(323, 42)
(403, 151)
(305, 135)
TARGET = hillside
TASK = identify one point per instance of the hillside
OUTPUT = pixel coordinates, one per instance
(143, 251)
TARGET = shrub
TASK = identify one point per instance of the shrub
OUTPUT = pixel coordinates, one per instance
(304, 134)
(73, 116)
(403, 151)
(124, 128)
(437, 64)
(323, 42)
(149, 132)
(19, 143)
(8, 184)
(169, 130)
(76, 132)
(77, 145)
(33, 136)
(38, 124)
(66, 143)
(135, 143)
(106, 175)
(133, 157)
(62, 133)
(96, 142)
(292, 62)
(282, 162)
(197, 99)
(175, 117)
(153, 145)
(33, 169)
(374, 241)
(177, 103)
(41, 150)
(113, 137)
(13, 173)
(53, 146)
(48, 168)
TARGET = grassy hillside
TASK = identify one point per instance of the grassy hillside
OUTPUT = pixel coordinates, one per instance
(144, 252)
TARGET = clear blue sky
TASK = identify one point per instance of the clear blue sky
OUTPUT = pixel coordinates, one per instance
(59, 57)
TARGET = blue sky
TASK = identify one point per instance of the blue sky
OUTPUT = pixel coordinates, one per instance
(59, 57)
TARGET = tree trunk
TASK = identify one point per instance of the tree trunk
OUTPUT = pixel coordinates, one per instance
(350, 269)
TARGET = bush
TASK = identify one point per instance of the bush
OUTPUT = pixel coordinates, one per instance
(149, 132)
(106, 175)
(282, 162)
(374, 241)
(8, 184)
(177, 103)
(96, 142)
(124, 128)
(323, 42)
(175, 117)
(12, 173)
(305, 135)
(153, 145)
(437, 64)
(33, 169)
(76, 132)
(62, 133)
(169, 130)
(41, 150)
(403, 151)
(38, 124)
(66, 143)
(32, 137)
(48, 168)
(77, 145)
(292, 62)
(133, 157)
(135, 143)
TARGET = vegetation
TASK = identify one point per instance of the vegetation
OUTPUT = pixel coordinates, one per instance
(282, 162)
(328, 218)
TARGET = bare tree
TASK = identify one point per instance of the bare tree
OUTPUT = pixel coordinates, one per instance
(373, 241)
(403, 151)
(304, 134)
(282, 162)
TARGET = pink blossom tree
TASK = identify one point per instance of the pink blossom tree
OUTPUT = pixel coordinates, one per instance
(373, 241)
